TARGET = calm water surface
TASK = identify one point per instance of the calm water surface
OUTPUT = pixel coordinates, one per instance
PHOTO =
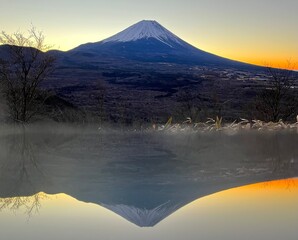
(71, 183)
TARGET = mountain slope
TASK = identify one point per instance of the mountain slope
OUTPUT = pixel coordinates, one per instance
(148, 41)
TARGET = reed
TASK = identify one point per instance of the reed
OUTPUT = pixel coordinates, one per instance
(217, 125)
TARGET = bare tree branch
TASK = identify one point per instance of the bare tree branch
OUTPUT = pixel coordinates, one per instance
(23, 69)
(279, 99)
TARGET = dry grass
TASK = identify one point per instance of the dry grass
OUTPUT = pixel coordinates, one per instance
(218, 125)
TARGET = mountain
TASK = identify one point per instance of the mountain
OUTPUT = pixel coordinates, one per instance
(143, 42)
(151, 68)
(148, 41)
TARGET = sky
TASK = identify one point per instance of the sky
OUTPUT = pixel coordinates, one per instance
(262, 32)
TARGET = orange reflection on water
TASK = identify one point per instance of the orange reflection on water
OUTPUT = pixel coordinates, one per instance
(258, 211)
(258, 195)
(285, 189)
(286, 186)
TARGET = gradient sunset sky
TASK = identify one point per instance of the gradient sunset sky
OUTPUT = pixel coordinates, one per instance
(262, 32)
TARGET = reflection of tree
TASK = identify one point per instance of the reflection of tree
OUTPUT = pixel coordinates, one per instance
(279, 164)
(275, 151)
(281, 153)
(30, 204)
(22, 151)
(21, 159)
(19, 172)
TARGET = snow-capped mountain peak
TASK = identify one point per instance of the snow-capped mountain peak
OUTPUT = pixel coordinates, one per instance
(144, 30)
(147, 41)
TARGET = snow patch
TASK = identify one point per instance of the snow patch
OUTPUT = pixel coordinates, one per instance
(145, 30)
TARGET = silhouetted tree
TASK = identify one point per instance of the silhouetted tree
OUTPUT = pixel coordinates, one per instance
(279, 99)
(24, 65)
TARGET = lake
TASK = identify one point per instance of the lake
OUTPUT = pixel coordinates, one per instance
(71, 182)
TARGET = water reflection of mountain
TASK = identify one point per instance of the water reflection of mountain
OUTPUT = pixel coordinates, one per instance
(144, 177)
(144, 217)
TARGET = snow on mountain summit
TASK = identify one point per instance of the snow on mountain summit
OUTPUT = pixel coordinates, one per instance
(144, 30)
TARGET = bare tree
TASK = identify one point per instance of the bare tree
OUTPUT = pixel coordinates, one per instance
(279, 98)
(24, 65)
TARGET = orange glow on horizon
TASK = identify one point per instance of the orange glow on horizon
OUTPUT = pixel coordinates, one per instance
(255, 56)
(283, 185)
(272, 63)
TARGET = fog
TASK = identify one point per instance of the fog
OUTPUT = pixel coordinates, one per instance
(147, 170)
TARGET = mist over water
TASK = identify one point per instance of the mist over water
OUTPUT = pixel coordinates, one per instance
(43, 153)
(142, 176)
